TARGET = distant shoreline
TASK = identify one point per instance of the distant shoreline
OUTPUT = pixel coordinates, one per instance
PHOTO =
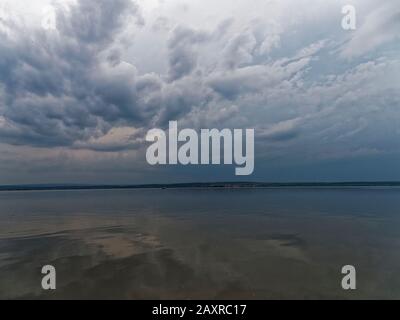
(207, 185)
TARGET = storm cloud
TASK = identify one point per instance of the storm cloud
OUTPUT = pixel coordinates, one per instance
(110, 70)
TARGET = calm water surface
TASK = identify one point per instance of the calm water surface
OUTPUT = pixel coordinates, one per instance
(197, 244)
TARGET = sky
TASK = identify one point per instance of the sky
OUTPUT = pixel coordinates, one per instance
(82, 82)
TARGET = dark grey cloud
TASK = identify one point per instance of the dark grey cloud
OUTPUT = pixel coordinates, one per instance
(54, 93)
(95, 22)
(240, 50)
(72, 85)
(183, 46)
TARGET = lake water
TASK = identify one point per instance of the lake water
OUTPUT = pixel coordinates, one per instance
(201, 243)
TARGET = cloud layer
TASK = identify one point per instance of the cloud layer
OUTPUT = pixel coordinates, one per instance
(88, 88)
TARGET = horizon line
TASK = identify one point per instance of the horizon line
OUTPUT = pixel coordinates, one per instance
(181, 185)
